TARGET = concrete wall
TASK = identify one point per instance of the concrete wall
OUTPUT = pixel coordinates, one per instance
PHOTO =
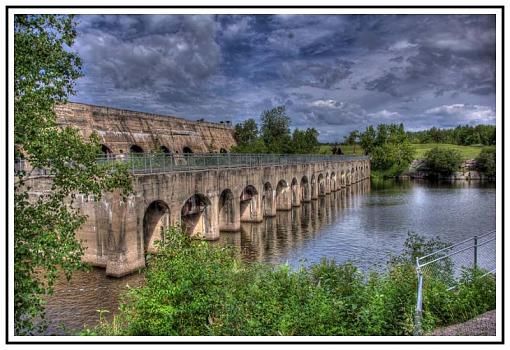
(119, 129)
(119, 231)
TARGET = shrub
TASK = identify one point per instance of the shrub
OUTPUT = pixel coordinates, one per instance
(486, 161)
(443, 162)
(194, 288)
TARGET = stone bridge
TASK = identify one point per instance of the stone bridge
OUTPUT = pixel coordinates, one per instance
(204, 197)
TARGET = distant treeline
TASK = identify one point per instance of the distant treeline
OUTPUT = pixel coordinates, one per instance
(461, 135)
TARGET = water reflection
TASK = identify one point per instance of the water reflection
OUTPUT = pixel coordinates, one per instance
(360, 223)
(276, 237)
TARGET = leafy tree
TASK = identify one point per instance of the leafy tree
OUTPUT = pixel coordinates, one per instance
(44, 225)
(367, 139)
(275, 130)
(389, 148)
(305, 142)
(443, 161)
(352, 139)
(246, 132)
(486, 161)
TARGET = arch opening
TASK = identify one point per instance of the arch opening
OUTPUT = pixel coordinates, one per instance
(187, 150)
(223, 150)
(248, 204)
(305, 189)
(165, 150)
(313, 186)
(268, 200)
(322, 185)
(135, 149)
(106, 151)
(283, 198)
(196, 216)
(155, 220)
(227, 211)
(295, 198)
(332, 181)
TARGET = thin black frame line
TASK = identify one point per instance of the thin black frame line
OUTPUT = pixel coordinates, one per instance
(268, 342)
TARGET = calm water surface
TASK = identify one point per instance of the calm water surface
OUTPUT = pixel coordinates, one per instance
(362, 224)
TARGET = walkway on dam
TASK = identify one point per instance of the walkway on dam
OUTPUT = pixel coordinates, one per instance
(164, 163)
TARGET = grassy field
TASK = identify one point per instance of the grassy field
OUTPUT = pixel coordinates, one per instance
(467, 152)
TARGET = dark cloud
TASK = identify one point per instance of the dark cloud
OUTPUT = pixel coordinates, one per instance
(333, 72)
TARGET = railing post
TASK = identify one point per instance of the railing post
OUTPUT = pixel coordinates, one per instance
(475, 258)
(419, 302)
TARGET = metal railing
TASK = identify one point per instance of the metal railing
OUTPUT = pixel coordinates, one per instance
(163, 163)
(447, 264)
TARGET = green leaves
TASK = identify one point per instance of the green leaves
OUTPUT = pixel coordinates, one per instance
(195, 288)
(46, 221)
(443, 162)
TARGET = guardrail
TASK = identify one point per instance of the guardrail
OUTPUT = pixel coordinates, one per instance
(162, 163)
(447, 264)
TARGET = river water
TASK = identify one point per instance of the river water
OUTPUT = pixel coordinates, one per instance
(363, 224)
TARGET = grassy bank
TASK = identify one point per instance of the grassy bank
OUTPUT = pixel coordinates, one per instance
(194, 288)
(467, 152)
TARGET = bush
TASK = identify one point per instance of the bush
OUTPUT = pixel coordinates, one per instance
(486, 161)
(195, 288)
(442, 162)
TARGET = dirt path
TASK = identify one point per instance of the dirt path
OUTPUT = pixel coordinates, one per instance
(484, 324)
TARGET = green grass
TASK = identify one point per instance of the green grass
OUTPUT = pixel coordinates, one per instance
(467, 152)
(347, 149)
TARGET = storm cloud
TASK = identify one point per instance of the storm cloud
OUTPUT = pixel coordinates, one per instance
(336, 73)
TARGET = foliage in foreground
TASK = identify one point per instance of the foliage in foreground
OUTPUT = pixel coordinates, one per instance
(194, 288)
(44, 225)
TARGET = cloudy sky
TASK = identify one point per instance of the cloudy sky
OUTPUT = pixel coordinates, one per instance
(336, 73)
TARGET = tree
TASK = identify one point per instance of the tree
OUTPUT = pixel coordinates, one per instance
(246, 132)
(44, 225)
(486, 161)
(367, 139)
(305, 142)
(389, 148)
(442, 162)
(275, 130)
(352, 139)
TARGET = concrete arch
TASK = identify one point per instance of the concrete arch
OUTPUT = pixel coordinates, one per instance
(305, 189)
(106, 151)
(228, 219)
(342, 178)
(353, 175)
(135, 149)
(327, 183)
(313, 184)
(283, 196)
(249, 203)
(333, 182)
(296, 195)
(165, 150)
(268, 200)
(321, 185)
(197, 217)
(156, 219)
(348, 177)
(186, 150)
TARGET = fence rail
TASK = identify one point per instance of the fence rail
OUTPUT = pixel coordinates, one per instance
(447, 265)
(161, 163)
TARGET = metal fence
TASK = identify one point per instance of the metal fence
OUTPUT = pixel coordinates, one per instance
(163, 163)
(447, 264)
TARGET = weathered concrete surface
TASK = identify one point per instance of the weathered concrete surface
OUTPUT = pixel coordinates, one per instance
(119, 231)
(120, 129)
